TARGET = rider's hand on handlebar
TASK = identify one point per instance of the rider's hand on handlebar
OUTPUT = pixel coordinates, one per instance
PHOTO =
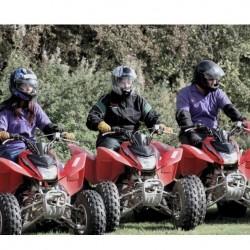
(104, 127)
(69, 136)
(4, 135)
(194, 139)
(164, 129)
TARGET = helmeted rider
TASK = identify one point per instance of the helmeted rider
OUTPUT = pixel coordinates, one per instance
(201, 101)
(122, 108)
(20, 114)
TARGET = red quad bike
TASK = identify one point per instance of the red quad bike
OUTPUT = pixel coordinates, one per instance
(141, 178)
(39, 191)
(222, 168)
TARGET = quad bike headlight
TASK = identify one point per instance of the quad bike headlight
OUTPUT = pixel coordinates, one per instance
(48, 173)
(231, 158)
(148, 163)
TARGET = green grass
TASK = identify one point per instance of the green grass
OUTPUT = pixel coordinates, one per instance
(214, 225)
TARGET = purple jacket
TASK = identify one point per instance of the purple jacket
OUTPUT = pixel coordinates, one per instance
(203, 108)
(12, 124)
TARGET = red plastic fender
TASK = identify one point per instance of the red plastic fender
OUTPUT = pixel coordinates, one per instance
(72, 175)
(193, 161)
(108, 166)
(244, 164)
(11, 175)
(171, 157)
(168, 165)
(74, 149)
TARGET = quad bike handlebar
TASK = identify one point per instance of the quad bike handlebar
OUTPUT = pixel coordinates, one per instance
(157, 129)
(236, 128)
(138, 137)
(37, 146)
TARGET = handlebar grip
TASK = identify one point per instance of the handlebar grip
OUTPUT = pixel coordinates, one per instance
(17, 137)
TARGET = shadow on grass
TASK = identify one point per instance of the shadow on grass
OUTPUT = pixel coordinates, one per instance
(213, 217)
(150, 225)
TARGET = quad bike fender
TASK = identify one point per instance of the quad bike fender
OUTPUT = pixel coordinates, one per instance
(171, 157)
(74, 149)
(11, 175)
(193, 161)
(244, 164)
(108, 166)
(71, 177)
(161, 147)
(168, 165)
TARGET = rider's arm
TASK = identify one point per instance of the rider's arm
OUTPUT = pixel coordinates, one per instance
(183, 115)
(149, 116)
(96, 115)
(51, 128)
(183, 118)
(233, 113)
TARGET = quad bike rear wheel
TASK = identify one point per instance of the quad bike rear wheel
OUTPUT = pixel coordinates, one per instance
(231, 209)
(10, 215)
(110, 196)
(186, 204)
(91, 216)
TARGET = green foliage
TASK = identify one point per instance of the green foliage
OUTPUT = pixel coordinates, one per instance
(73, 64)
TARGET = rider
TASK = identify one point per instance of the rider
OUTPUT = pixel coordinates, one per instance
(20, 114)
(201, 101)
(122, 108)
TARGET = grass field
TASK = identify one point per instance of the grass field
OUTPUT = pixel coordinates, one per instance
(214, 225)
(216, 232)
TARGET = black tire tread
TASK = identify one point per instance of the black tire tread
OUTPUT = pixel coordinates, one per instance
(202, 198)
(11, 215)
(96, 215)
(190, 214)
(110, 196)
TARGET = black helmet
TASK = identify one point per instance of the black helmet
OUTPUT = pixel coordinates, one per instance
(20, 79)
(207, 70)
(118, 74)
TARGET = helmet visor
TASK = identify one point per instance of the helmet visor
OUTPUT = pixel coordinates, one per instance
(28, 87)
(123, 82)
(214, 73)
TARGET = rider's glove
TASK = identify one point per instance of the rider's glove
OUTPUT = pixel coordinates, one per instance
(4, 135)
(104, 127)
(69, 136)
(195, 139)
(164, 129)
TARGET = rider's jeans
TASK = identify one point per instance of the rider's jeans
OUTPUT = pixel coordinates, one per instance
(12, 154)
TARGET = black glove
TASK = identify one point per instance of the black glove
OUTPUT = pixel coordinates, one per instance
(195, 139)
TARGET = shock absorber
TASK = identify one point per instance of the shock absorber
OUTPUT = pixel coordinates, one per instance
(27, 205)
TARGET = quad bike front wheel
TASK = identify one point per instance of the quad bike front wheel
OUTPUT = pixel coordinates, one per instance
(10, 215)
(110, 196)
(90, 215)
(185, 204)
(202, 198)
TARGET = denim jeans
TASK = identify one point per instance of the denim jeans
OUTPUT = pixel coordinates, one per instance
(12, 154)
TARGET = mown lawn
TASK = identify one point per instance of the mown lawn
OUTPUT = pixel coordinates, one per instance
(216, 232)
(214, 224)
